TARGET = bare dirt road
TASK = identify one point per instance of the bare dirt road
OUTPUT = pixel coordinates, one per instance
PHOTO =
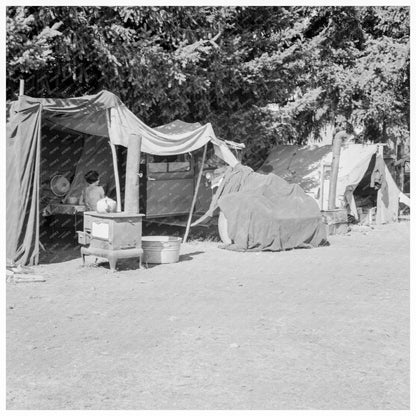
(324, 328)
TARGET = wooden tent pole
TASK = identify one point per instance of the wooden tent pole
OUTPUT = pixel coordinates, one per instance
(321, 193)
(188, 225)
(116, 176)
(22, 87)
(115, 164)
(336, 151)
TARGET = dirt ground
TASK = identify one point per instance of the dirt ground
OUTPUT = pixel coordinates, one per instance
(324, 328)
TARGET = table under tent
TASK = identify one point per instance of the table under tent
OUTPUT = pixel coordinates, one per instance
(52, 137)
(365, 185)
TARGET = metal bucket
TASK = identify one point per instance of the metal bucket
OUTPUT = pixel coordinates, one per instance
(161, 249)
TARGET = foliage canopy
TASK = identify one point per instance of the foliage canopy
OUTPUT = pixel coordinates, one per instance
(261, 75)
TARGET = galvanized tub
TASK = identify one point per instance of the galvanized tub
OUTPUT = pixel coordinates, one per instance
(161, 249)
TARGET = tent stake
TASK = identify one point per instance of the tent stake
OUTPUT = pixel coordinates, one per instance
(188, 225)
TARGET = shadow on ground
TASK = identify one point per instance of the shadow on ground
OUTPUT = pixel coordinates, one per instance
(59, 243)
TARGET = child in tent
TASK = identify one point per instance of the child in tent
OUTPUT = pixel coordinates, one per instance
(92, 193)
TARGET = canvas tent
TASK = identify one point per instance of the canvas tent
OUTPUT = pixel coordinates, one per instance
(102, 115)
(96, 155)
(361, 168)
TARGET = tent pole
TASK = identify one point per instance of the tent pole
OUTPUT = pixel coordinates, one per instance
(22, 87)
(115, 163)
(321, 194)
(116, 176)
(188, 225)
(336, 151)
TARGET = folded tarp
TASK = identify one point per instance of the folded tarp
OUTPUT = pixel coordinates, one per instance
(264, 212)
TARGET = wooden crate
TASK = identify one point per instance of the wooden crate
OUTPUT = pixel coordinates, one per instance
(367, 216)
(337, 221)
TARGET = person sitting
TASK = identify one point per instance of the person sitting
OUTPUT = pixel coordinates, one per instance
(92, 193)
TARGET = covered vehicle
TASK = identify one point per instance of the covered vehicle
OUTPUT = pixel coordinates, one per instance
(265, 212)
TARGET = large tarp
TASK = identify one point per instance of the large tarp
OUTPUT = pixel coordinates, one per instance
(102, 115)
(304, 166)
(22, 186)
(265, 212)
